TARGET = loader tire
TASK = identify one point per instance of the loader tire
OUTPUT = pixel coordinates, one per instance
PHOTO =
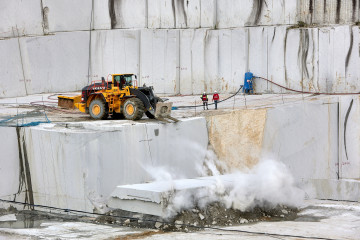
(133, 109)
(97, 109)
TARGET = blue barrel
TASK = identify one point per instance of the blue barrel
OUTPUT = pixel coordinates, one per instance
(248, 82)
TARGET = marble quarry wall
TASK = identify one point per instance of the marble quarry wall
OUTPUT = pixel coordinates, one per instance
(179, 47)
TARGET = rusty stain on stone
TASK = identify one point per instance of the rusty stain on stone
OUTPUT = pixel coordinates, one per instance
(237, 137)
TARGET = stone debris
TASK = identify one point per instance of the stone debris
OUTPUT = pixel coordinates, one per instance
(215, 214)
(158, 225)
(242, 221)
(178, 224)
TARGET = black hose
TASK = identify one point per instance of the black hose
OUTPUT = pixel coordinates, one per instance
(241, 86)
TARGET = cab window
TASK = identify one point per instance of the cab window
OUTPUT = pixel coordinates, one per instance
(117, 79)
(128, 80)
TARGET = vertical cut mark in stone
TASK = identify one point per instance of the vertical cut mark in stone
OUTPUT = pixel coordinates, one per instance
(182, 9)
(354, 10)
(112, 13)
(272, 40)
(174, 11)
(28, 176)
(345, 124)
(46, 19)
(255, 12)
(303, 52)
(311, 9)
(338, 8)
(350, 50)
(258, 11)
(325, 11)
(285, 43)
(22, 172)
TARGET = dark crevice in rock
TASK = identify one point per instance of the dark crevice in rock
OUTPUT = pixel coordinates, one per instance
(25, 175)
(345, 124)
(303, 52)
(112, 13)
(255, 15)
(174, 11)
(350, 49)
(338, 8)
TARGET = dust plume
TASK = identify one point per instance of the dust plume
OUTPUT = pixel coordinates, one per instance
(267, 184)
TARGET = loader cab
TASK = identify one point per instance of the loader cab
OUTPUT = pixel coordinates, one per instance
(123, 80)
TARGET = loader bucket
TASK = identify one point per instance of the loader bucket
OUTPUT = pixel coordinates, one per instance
(163, 109)
(68, 102)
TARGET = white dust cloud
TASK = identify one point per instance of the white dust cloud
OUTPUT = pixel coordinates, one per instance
(267, 184)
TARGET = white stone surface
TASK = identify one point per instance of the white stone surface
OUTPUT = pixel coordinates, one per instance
(333, 189)
(101, 18)
(56, 63)
(304, 136)
(68, 15)
(12, 82)
(212, 60)
(300, 59)
(161, 14)
(20, 18)
(208, 13)
(192, 61)
(258, 56)
(129, 13)
(8, 218)
(9, 163)
(339, 59)
(114, 51)
(276, 39)
(181, 14)
(77, 166)
(232, 13)
(159, 60)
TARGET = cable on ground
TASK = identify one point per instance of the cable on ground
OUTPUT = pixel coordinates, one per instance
(193, 106)
(305, 92)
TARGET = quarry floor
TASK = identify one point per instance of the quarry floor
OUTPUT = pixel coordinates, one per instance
(317, 219)
(31, 108)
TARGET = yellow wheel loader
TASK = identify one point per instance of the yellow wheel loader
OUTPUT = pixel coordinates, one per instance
(119, 98)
